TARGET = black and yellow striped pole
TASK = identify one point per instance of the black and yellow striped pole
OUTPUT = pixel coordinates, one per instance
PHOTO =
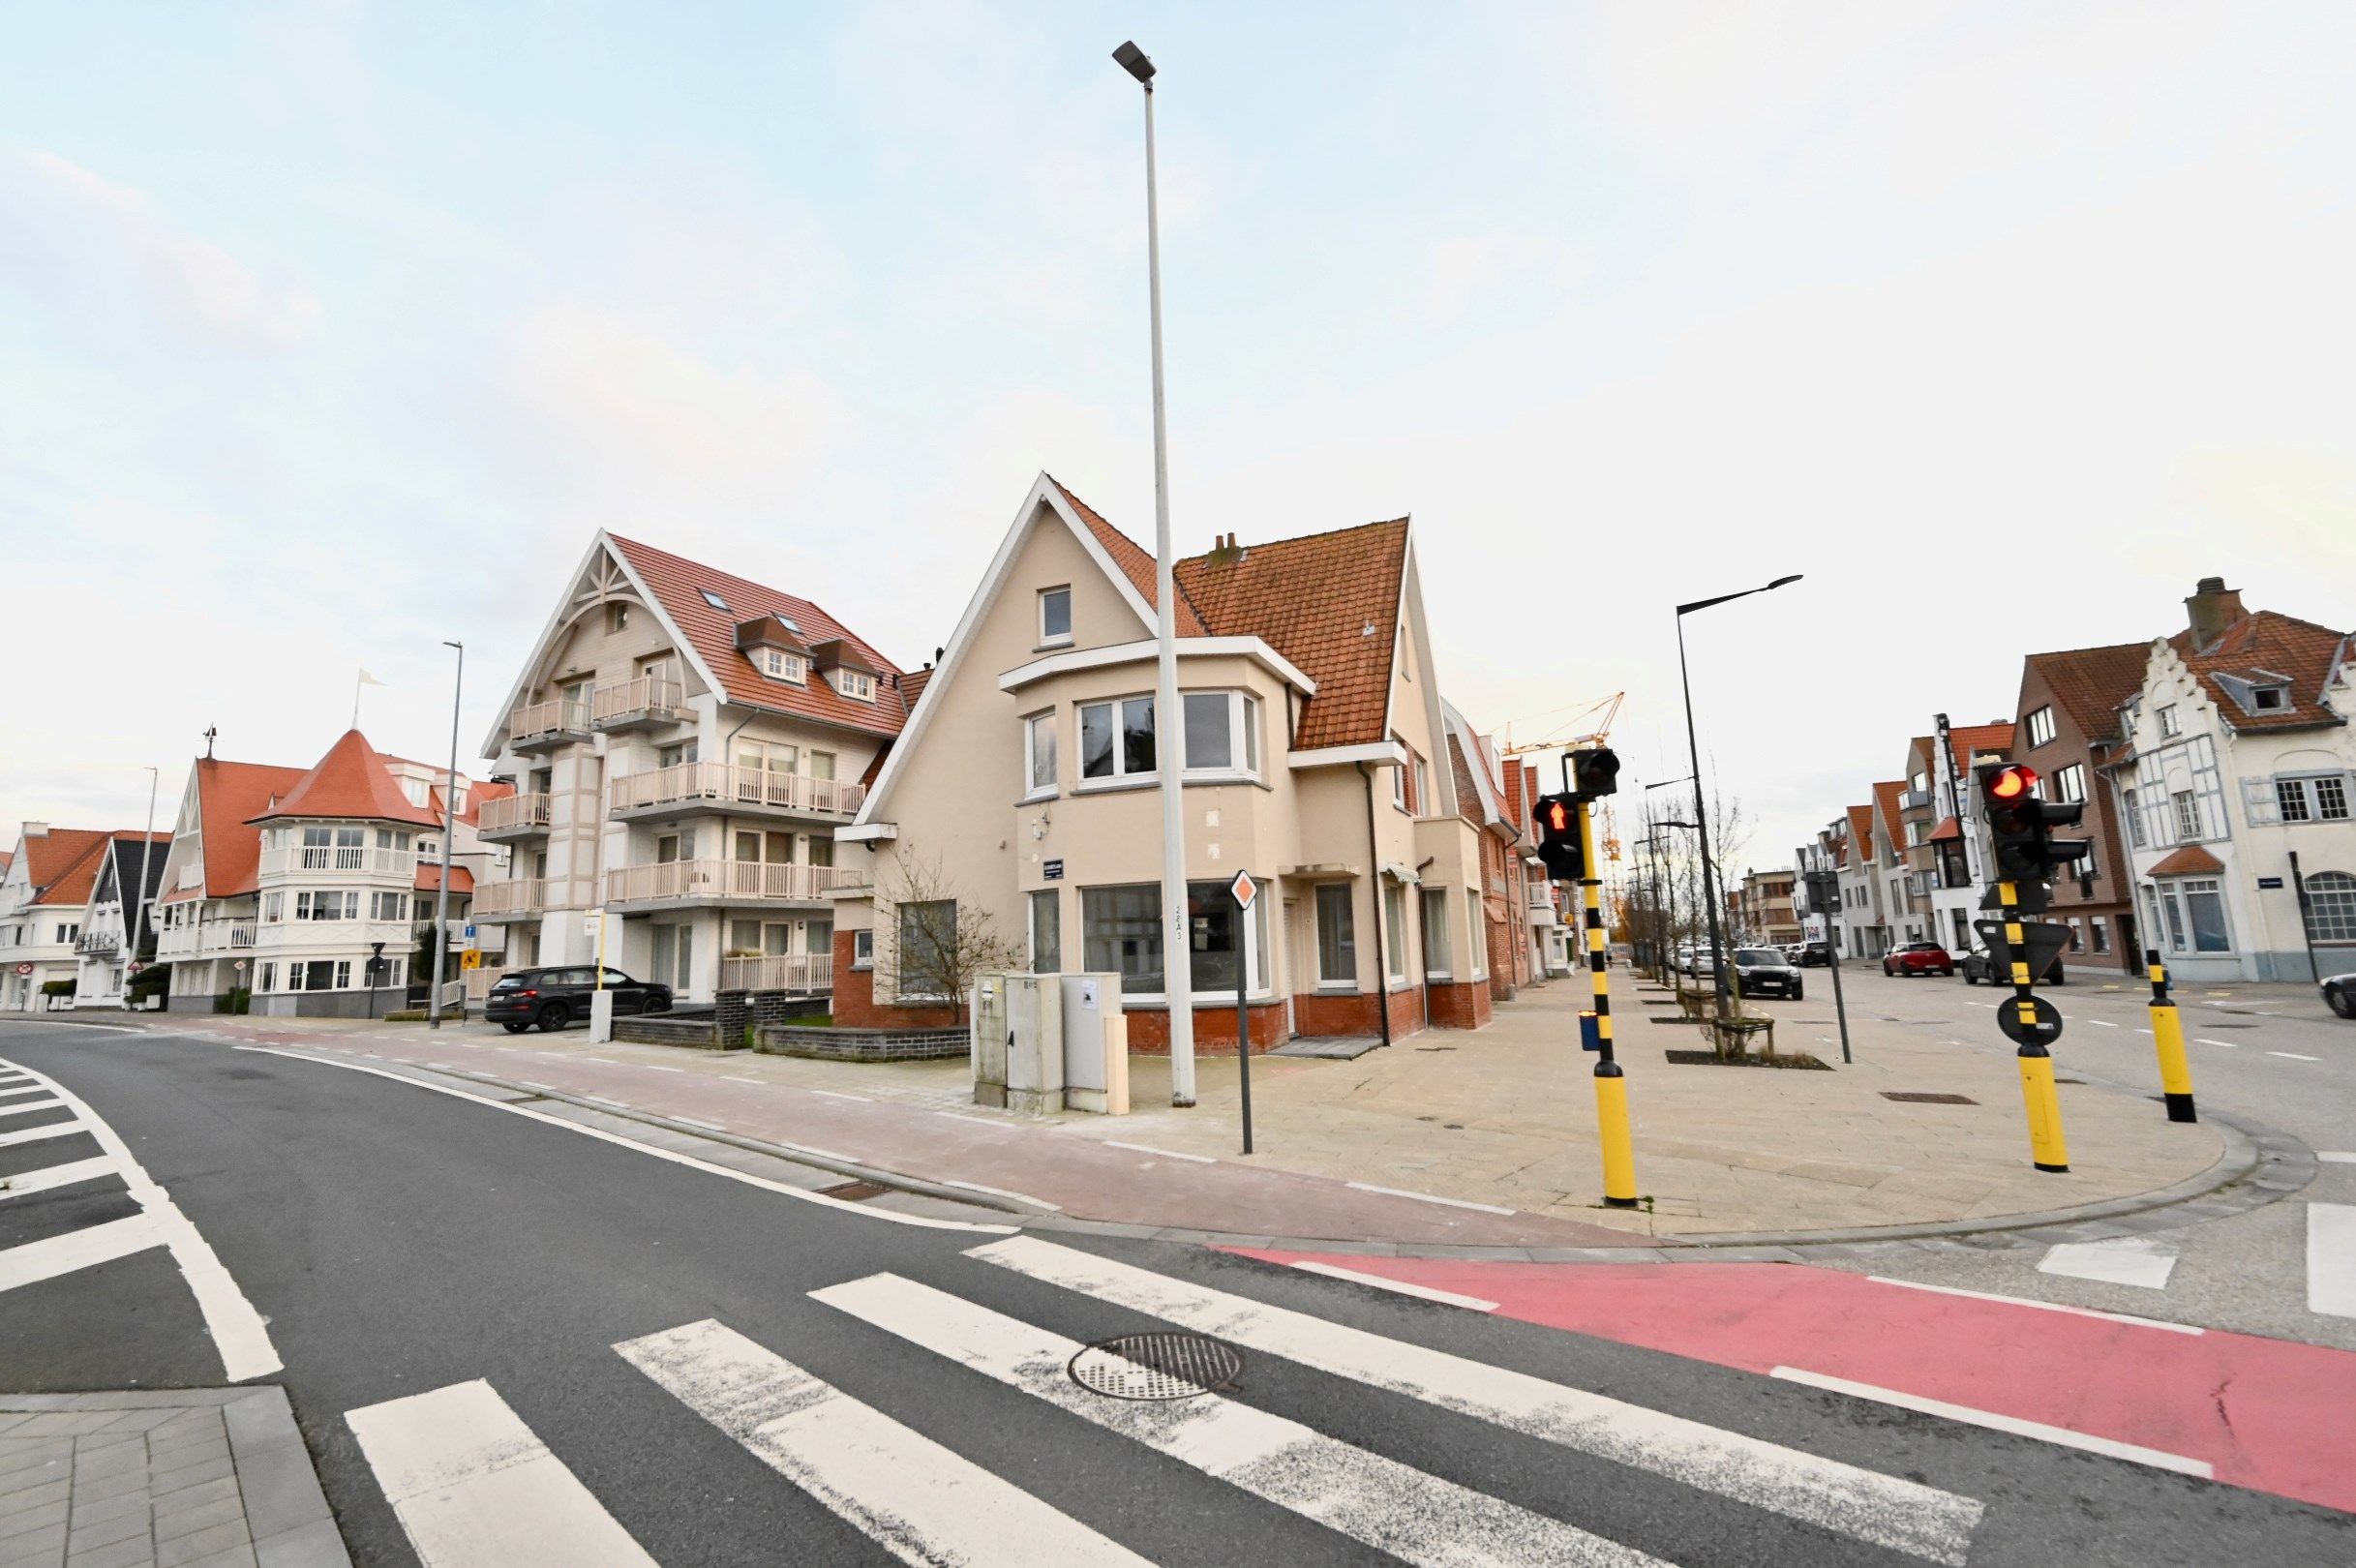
(2169, 1038)
(1611, 1083)
(2047, 1149)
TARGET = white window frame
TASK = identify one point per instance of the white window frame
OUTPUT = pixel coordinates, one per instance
(1046, 638)
(2039, 725)
(617, 617)
(2169, 724)
(857, 684)
(715, 601)
(1395, 932)
(862, 950)
(780, 663)
(1319, 898)
(2070, 783)
(1116, 707)
(1432, 904)
(1243, 735)
(1039, 747)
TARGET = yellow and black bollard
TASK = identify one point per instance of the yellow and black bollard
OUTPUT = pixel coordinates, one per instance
(1611, 1083)
(2047, 1149)
(2169, 1038)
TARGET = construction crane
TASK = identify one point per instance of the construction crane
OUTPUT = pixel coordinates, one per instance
(1567, 735)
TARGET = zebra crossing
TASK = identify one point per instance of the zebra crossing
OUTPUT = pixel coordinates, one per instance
(470, 1483)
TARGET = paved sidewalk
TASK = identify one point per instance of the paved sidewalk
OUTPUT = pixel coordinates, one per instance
(187, 1478)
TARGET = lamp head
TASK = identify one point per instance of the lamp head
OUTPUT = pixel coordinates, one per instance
(1781, 581)
(1132, 60)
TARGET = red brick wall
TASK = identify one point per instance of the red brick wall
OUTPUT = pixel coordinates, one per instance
(856, 1007)
(1407, 1014)
(1464, 1005)
(1149, 1030)
(1323, 1012)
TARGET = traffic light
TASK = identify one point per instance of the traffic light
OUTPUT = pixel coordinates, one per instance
(1594, 773)
(1558, 846)
(2027, 854)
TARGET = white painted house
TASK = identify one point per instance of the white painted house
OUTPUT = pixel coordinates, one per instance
(118, 922)
(42, 895)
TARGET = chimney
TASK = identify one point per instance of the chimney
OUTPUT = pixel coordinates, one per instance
(2212, 611)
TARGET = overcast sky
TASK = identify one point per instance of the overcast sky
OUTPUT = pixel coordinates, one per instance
(329, 331)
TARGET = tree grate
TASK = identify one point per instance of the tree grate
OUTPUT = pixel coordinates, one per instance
(1156, 1365)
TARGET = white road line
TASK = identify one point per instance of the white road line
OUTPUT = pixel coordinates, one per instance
(2337, 1159)
(834, 1093)
(238, 1332)
(2128, 1260)
(83, 1248)
(1427, 1197)
(23, 1106)
(1162, 1154)
(1404, 1288)
(914, 1499)
(652, 1068)
(709, 1127)
(2101, 1023)
(1903, 1515)
(2041, 1306)
(919, 1222)
(49, 1176)
(961, 1116)
(2331, 1259)
(1000, 1191)
(1995, 1422)
(733, 1078)
(1388, 1505)
(2229, 1044)
(2295, 1056)
(472, 1484)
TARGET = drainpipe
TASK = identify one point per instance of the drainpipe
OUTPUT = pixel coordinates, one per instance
(2307, 924)
(1382, 962)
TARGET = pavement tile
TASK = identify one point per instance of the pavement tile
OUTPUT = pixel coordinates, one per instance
(133, 1554)
(43, 1546)
(27, 1501)
(88, 1510)
(196, 1496)
(218, 1540)
(165, 1483)
(172, 1523)
(112, 1484)
(33, 1520)
(316, 1545)
(81, 1537)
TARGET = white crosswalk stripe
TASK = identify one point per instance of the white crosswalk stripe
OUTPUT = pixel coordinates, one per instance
(19, 1106)
(1884, 1510)
(474, 1487)
(921, 1502)
(2331, 1259)
(1390, 1506)
(83, 1248)
(26, 1181)
(37, 1134)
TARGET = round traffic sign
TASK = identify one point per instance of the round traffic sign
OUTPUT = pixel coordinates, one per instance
(24, 968)
(2044, 1032)
(133, 967)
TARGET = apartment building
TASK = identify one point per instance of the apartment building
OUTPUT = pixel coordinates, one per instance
(1905, 908)
(1959, 876)
(2234, 768)
(43, 896)
(1311, 740)
(1763, 908)
(118, 922)
(683, 744)
(1862, 918)
(2067, 727)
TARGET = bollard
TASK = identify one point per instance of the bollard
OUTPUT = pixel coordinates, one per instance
(1611, 1083)
(2168, 1039)
(2048, 1149)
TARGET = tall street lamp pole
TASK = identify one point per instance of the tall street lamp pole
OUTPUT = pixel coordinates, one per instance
(1170, 730)
(1660, 958)
(449, 832)
(1700, 812)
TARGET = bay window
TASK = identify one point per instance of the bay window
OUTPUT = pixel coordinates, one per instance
(330, 905)
(1117, 739)
(1215, 931)
(1221, 731)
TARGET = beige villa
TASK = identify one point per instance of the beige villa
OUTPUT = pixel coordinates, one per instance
(1020, 801)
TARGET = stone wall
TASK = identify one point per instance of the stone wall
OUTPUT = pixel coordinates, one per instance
(733, 1010)
(696, 1034)
(839, 1044)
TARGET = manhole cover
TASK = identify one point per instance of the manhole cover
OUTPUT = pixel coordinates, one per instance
(1156, 1365)
(1915, 1097)
(855, 1191)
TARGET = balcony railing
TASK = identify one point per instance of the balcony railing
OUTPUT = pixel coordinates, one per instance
(559, 715)
(520, 896)
(649, 698)
(749, 881)
(352, 857)
(199, 938)
(779, 972)
(99, 944)
(518, 813)
(1913, 800)
(724, 784)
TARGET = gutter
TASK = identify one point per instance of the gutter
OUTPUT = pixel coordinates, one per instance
(1374, 883)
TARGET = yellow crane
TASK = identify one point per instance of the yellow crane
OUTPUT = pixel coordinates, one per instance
(1567, 735)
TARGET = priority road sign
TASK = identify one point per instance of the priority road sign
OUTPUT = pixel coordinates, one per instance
(1244, 888)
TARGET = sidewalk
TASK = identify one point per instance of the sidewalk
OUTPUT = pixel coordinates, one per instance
(1480, 1138)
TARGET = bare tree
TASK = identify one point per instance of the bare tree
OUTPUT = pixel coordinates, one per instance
(929, 943)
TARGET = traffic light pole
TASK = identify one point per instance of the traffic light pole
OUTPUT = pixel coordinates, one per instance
(2168, 1039)
(2048, 1151)
(1611, 1083)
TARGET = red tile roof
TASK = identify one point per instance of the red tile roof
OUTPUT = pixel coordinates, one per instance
(2265, 641)
(1948, 828)
(2088, 683)
(1861, 834)
(350, 784)
(1886, 800)
(62, 863)
(679, 585)
(429, 879)
(230, 797)
(1967, 739)
(2191, 860)
(1136, 563)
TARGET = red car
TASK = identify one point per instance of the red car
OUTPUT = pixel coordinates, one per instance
(1918, 958)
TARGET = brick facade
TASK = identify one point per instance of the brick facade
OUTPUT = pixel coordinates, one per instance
(856, 1007)
(1149, 1030)
(1325, 1013)
(1464, 1005)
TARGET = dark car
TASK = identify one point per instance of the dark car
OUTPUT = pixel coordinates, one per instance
(1812, 955)
(2339, 992)
(556, 996)
(1918, 958)
(1765, 972)
(1979, 964)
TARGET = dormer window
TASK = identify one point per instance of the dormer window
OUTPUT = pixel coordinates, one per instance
(779, 665)
(617, 619)
(1054, 617)
(2269, 698)
(857, 684)
(715, 600)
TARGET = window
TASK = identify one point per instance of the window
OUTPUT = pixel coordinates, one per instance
(1039, 754)
(2205, 908)
(2331, 907)
(2187, 815)
(1423, 802)
(1213, 958)
(2040, 726)
(2076, 936)
(343, 974)
(327, 906)
(388, 906)
(712, 599)
(273, 910)
(862, 950)
(269, 977)
(2134, 818)
(1054, 615)
(2332, 798)
(1434, 901)
(415, 789)
(2169, 724)
(1117, 738)
(1121, 931)
(1046, 933)
(1395, 928)
(780, 665)
(1221, 731)
(857, 684)
(388, 839)
(676, 754)
(1337, 935)
(2099, 929)
(2322, 798)
(926, 958)
(2269, 698)
(617, 619)
(1479, 946)
(2070, 783)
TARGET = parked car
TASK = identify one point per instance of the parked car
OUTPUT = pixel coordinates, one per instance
(1918, 958)
(1979, 964)
(1766, 972)
(553, 997)
(1812, 955)
(2339, 992)
(1696, 961)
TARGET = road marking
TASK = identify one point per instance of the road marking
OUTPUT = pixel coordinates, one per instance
(1426, 1197)
(652, 1068)
(2229, 1044)
(471, 1484)
(1903, 1515)
(83, 1248)
(49, 1176)
(2128, 1260)
(611, 1105)
(1404, 1288)
(607, 1060)
(30, 1105)
(914, 1499)
(919, 1221)
(2041, 1306)
(2295, 1056)
(2101, 1023)
(836, 1093)
(961, 1116)
(2338, 1159)
(1164, 1153)
(709, 1127)
(1000, 1191)
(2331, 1259)
(1388, 1505)
(1995, 1422)
(733, 1078)
(238, 1332)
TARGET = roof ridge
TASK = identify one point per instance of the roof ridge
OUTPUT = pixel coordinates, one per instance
(1305, 538)
(758, 585)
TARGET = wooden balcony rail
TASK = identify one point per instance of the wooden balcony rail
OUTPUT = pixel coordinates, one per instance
(727, 784)
(649, 695)
(779, 972)
(514, 812)
(750, 880)
(551, 717)
(358, 858)
(515, 896)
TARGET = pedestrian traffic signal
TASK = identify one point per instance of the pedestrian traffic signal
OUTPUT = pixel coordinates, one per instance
(1559, 838)
(1594, 773)
(2021, 825)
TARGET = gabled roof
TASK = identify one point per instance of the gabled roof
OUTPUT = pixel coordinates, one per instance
(1135, 562)
(62, 863)
(678, 587)
(429, 879)
(2191, 860)
(230, 797)
(1967, 739)
(1479, 796)
(1329, 603)
(350, 784)
(1949, 828)
(133, 854)
(1886, 800)
(2088, 683)
(2305, 652)
(1861, 834)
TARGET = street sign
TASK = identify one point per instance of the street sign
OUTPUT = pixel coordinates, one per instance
(1244, 888)
(1053, 870)
(24, 968)
(2044, 1032)
(469, 930)
(240, 966)
(590, 921)
(471, 958)
(2268, 883)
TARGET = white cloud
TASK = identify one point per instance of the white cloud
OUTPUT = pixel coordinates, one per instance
(1467, 267)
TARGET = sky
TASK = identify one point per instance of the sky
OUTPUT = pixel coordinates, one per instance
(330, 331)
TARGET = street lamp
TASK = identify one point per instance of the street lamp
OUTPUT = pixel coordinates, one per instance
(1693, 749)
(1660, 957)
(449, 832)
(1169, 732)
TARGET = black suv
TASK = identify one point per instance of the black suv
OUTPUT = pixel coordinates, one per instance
(555, 997)
(1765, 972)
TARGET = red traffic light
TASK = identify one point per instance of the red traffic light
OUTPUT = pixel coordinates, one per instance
(2013, 783)
(1557, 816)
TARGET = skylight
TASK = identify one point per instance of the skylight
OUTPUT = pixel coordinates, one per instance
(715, 600)
(790, 626)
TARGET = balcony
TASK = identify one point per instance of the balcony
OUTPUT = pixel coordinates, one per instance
(807, 972)
(519, 816)
(203, 939)
(353, 860)
(637, 705)
(703, 785)
(545, 726)
(724, 882)
(510, 900)
(1913, 800)
(98, 944)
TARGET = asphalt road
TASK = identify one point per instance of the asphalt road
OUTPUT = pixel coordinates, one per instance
(400, 1241)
